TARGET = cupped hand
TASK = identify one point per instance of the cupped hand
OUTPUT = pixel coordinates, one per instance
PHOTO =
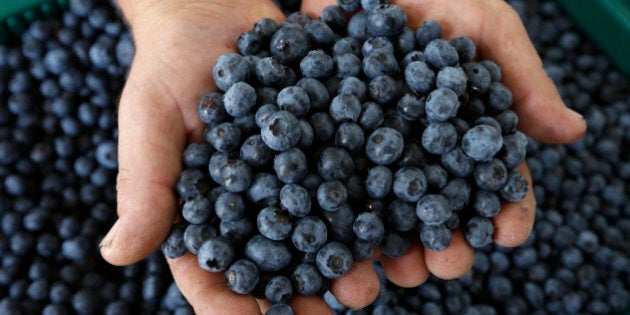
(177, 43)
(499, 35)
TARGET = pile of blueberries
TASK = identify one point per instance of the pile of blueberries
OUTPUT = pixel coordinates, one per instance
(58, 93)
(336, 135)
(576, 259)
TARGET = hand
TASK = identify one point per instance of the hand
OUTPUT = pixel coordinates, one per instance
(499, 35)
(177, 43)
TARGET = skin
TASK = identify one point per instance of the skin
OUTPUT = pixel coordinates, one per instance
(177, 43)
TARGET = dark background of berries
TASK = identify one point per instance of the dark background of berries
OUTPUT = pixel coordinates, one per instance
(58, 94)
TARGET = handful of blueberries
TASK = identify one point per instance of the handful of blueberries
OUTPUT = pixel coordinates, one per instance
(334, 136)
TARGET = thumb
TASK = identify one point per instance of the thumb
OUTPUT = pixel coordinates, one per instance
(151, 138)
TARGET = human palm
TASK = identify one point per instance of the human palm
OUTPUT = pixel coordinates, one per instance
(177, 44)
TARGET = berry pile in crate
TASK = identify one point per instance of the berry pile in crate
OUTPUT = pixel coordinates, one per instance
(333, 136)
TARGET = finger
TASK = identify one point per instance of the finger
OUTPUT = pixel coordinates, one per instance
(453, 262)
(315, 7)
(514, 222)
(146, 202)
(309, 305)
(543, 115)
(500, 36)
(206, 291)
(359, 287)
(409, 270)
(263, 305)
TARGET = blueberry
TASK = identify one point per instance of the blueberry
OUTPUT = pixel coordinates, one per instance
(402, 215)
(236, 176)
(249, 43)
(215, 254)
(377, 44)
(439, 138)
(271, 72)
(107, 155)
(280, 309)
(428, 31)
(457, 163)
(379, 62)
(363, 249)
(316, 64)
(441, 104)
(191, 183)
(279, 289)
(385, 20)
(516, 187)
(224, 137)
(482, 142)
(411, 107)
(317, 93)
(347, 65)
(306, 279)
(196, 234)
(309, 234)
(371, 116)
(349, 136)
(281, 131)
(274, 223)
(378, 182)
(197, 209)
(268, 255)
(394, 244)
(295, 199)
(335, 163)
(288, 44)
(384, 89)
(290, 166)
(331, 195)
(465, 47)
(384, 146)
(319, 33)
(479, 78)
(479, 231)
(197, 154)
(254, 151)
(333, 16)
(440, 53)
(339, 223)
(409, 184)
(265, 189)
(239, 99)
(345, 107)
(453, 78)
(347, 45)
(229, 206)
(368, 226)
(334, 260)
(237, 231)
(491, 175)
(230, 69)
(499, 96)
(493, 69)
(242, 276)
(349, 6)
(486, 203)
(433, 209)
(419, 76)
(435, 237)
(357, 28)
(354, 86)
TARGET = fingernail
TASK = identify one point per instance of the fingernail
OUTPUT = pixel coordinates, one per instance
(577, 114)
(109, 237)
